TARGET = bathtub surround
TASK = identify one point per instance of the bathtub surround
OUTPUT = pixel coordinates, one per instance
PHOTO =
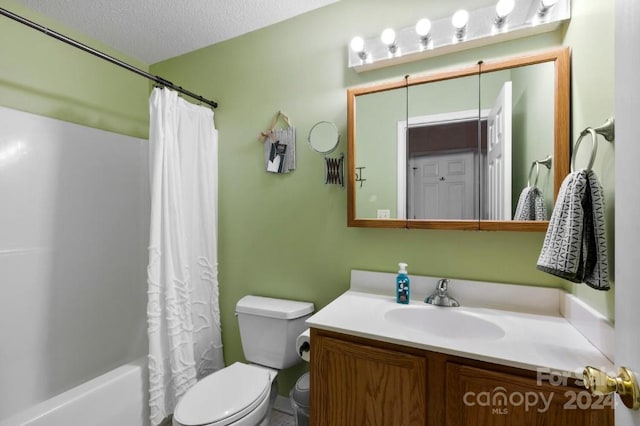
(124, 387)
(116, 398)
(73, 232)
(185, 343)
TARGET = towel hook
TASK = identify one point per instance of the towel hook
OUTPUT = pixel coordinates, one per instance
(537, 167)
(546, 162)
(594, 148)
(607, 130)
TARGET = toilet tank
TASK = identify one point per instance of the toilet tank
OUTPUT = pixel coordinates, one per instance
(269, 328)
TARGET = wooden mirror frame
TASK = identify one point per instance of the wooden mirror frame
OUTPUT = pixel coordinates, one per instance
(561, 151)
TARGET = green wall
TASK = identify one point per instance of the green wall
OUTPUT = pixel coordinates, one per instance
(533, 118)
(286, 235)
(379, 154)
(44, 76)
(592, 101)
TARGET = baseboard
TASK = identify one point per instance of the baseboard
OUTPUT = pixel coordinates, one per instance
(283, 405)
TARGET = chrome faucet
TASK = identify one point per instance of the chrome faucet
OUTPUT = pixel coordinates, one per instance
(440, 297)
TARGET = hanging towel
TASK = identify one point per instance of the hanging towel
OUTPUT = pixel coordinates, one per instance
(531, 205)
(575, 247)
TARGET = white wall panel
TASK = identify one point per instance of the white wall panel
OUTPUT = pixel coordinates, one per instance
(73, 237)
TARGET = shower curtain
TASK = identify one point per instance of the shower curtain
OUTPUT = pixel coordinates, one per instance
(182, 312)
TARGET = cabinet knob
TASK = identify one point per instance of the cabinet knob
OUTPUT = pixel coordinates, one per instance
(624, 384)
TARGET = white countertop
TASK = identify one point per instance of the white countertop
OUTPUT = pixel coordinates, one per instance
(531, 341)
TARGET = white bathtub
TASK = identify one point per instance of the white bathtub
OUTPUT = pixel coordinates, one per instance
(117, 398)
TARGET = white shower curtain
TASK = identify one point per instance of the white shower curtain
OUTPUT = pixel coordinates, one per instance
(183, 314)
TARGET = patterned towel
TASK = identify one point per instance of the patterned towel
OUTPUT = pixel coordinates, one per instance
(575, 247)
(530, 205)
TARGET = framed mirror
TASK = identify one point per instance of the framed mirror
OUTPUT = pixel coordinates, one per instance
(459, 149)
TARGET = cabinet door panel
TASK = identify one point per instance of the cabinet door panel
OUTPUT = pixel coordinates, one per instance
(480, 397)
(356, 384)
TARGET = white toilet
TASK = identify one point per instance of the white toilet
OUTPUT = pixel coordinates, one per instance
(243, 394)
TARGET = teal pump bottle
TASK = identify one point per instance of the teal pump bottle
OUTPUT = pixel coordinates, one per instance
(402, 285)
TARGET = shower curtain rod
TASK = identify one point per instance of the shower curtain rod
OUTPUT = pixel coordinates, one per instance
(159, 80)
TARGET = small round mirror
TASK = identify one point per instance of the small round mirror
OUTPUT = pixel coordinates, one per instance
(324, 137)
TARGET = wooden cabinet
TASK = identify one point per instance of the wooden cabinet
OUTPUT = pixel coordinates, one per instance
(479, 396)
(358, 384)
(356, 381)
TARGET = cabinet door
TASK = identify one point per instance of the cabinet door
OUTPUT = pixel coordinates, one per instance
(480, 397)
(355, 384)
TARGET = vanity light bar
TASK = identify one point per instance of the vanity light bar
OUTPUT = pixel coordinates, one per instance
(508, 20)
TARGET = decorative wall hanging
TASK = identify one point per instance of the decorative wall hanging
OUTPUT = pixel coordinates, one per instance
(279, 146)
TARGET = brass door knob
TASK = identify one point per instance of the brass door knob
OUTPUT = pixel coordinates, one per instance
(624, 384)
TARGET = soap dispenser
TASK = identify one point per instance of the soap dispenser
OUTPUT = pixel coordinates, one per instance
(402, 285)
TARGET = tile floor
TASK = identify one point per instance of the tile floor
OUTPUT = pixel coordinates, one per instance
(280, 418)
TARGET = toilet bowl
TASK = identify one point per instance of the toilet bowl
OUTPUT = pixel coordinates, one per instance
(238, 395)
(243, 394)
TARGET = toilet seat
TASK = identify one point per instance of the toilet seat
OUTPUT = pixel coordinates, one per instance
(225, 396)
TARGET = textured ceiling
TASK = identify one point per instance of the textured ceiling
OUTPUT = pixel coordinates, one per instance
(155, 30)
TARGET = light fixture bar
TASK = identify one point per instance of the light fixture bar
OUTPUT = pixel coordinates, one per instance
(524, 20)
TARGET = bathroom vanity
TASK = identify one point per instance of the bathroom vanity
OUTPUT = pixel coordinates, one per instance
(376, 362)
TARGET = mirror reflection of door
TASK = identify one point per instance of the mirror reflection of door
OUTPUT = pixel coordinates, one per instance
(442, 186)
(499, 157)
(531, 126)
(443, 166)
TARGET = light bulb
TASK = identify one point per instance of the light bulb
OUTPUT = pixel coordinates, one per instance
(505, 7)
(423, 27)
(459, 19)
(357, 44)
(545, 5)
(388, 37)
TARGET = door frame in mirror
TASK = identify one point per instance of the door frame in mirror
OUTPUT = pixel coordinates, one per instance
(561, 151)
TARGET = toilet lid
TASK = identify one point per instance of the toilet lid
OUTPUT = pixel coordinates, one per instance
(224, 396)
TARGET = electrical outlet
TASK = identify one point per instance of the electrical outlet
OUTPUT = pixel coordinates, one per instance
(384, 214)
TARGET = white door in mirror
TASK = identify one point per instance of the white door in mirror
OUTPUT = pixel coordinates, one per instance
(498, 156)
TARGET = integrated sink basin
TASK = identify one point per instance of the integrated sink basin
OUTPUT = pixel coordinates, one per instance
(450, 323)
(511, 325)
